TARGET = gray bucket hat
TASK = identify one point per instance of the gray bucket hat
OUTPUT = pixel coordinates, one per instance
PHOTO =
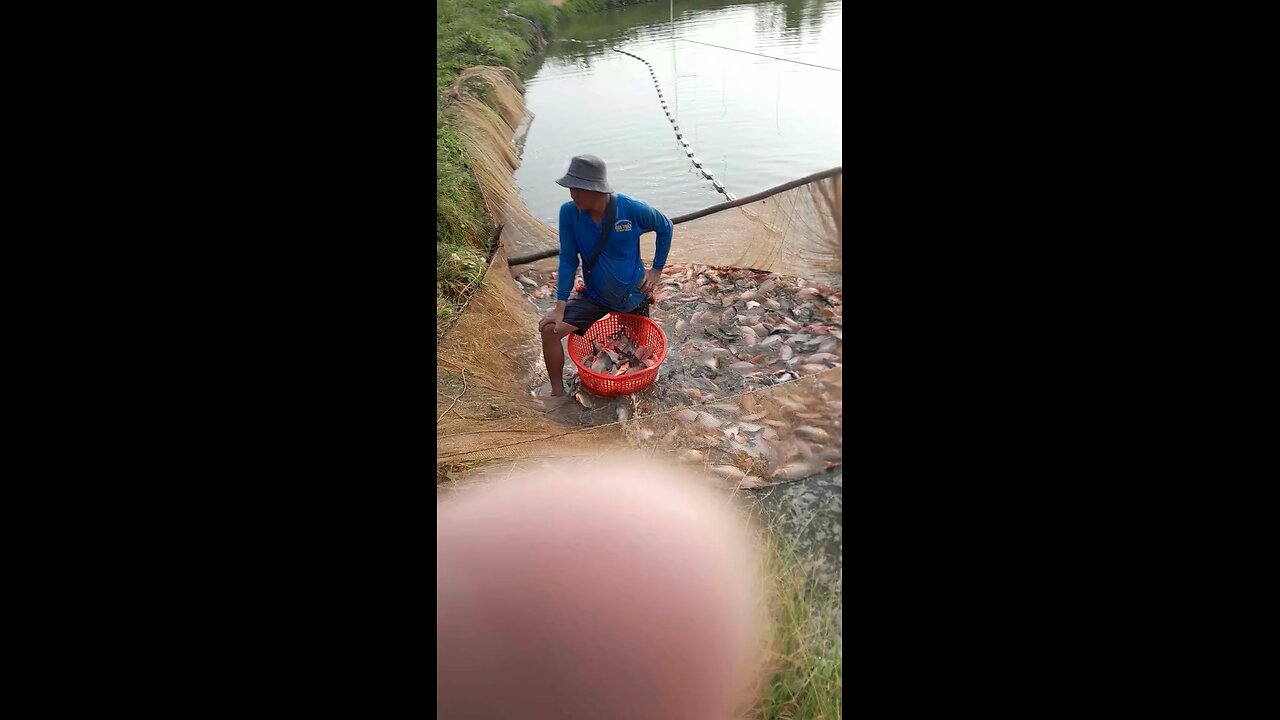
(586, 172)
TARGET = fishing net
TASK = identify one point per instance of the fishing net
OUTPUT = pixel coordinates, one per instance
(487, 111)
(794, 232)
(749, 400)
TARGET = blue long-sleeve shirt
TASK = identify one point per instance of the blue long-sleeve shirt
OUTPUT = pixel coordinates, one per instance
(618, 266)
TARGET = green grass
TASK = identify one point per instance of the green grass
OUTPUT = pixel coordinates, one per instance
(469, 33)
(808, 657)
(458, 272)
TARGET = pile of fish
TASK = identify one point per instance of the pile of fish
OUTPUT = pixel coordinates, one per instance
(758, 439)
(749, 386)
(733, 330)
(618, 355)
(729, 330)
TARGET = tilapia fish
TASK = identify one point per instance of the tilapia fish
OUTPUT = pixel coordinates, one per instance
(797, 469)
(728, 472)
(812, 433)
(749, 331)
(618, 355)
(690, 455)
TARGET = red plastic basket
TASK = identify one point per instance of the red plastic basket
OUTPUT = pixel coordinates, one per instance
(639, 328)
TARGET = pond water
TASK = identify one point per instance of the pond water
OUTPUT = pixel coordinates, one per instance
(755, 122)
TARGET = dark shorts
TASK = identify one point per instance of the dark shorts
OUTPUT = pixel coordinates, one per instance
(582, 312)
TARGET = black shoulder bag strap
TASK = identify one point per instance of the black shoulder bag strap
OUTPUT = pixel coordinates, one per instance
(610, 216)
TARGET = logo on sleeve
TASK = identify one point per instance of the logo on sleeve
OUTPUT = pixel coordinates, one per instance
(622, 226)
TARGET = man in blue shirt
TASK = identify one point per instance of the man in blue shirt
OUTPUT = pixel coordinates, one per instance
(616, 281)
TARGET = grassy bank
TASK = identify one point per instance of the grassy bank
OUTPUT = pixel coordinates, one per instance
(468, 33)
(808, 655)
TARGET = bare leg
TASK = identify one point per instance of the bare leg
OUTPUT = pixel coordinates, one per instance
(553, 355)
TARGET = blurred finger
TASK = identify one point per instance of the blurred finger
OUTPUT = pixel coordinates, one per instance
(653, 611)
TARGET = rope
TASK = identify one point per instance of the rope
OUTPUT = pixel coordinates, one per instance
(758, 196)
(675, 125)
(771, 57)
(455, 400)
(763, 194)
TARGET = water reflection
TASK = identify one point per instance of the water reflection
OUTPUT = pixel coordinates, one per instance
(600, 33)
(799, 12)
(753, 121)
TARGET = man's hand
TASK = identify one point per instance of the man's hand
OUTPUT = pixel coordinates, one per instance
(651, 280)
(555, 319)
